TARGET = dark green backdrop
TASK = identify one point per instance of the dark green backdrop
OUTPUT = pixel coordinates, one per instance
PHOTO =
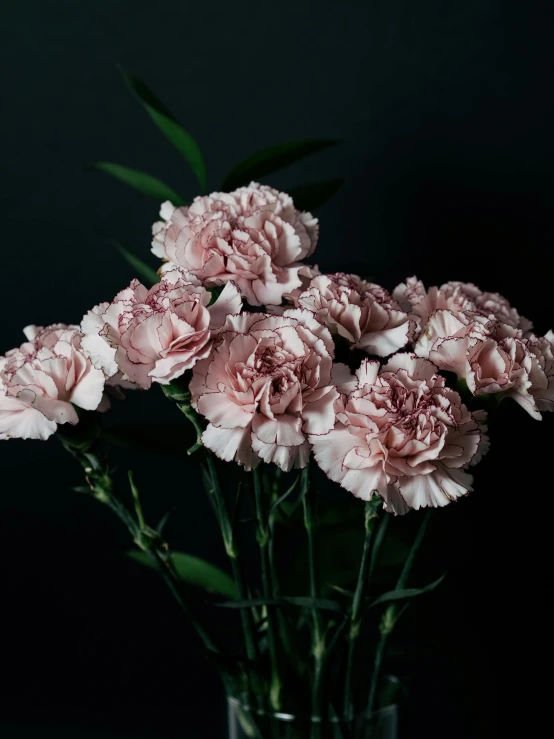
(446, 113)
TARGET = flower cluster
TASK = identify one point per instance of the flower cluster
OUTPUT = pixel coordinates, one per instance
(267, 383)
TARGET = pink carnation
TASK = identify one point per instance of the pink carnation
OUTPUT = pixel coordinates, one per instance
(522, 369)
(403, 434)
(253, 236)
(156, 335)
(362, 312)
(42, 380)
(463, 300)
(267, 384)
(483, 339)
(542, 389)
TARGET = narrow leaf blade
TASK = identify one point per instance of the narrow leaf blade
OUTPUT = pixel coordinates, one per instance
(313, 195)
(301, 602)
(405, 593)
(272, 159)
(141, 181)
(149, 275)
(194, 571)
(168, 125)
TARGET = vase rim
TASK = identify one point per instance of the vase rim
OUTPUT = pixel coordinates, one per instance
(282, 716)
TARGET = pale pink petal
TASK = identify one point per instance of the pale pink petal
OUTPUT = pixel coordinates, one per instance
(55, 410)
(416, 367)
(367, 372)
(342, 378)
(285, 457)
(441, 325)
(18, 420)
(331, 449)
(283, 430)
(101, 354)
(229, 302)
(386, 341)
(88, 391)
(452, 355)
(231, 445)
(319, 416)
(436, 489)
(223, 412)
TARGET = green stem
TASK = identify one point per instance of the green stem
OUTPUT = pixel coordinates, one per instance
(408, 564)
(286, 630)
(378, 543)
(192, 417)
(263, 541)
(215, 496)
(247, 616)
(379, 652)
(371, 513)
(101, 485)
(171, 579)
(136, 501)
(318, 636)
(232, 550)
(390, 616)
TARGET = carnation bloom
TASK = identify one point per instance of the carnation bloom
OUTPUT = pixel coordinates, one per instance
(483, 339)
(463, 300)
(363, 313)
(403, 434)
(268, 382)
(42, 380)
(518, 368)
(253, 236)
(156, 335)
(542, 350)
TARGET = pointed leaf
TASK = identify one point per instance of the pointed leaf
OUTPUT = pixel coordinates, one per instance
(148, 274)
(270, 160)
(314, 194)
(406, 593)
(275, 505)
(194, 571)
(168, 125)
(323, 604)
(318, 603)
(141, 181)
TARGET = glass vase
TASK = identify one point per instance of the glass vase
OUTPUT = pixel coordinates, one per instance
(247, 723)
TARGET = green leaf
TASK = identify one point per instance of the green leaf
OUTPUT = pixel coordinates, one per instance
(275, 505)
(194, 571)
(141, 181)
(406, 593)
(323, 604)
(302, 602)
(149, 275)
(161, 438)
(314, 194)
(270, 160)
(168, 125)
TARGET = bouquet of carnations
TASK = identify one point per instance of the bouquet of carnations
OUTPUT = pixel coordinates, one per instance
(279, 368)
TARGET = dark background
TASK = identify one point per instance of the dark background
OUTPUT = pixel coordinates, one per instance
(446, 113)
